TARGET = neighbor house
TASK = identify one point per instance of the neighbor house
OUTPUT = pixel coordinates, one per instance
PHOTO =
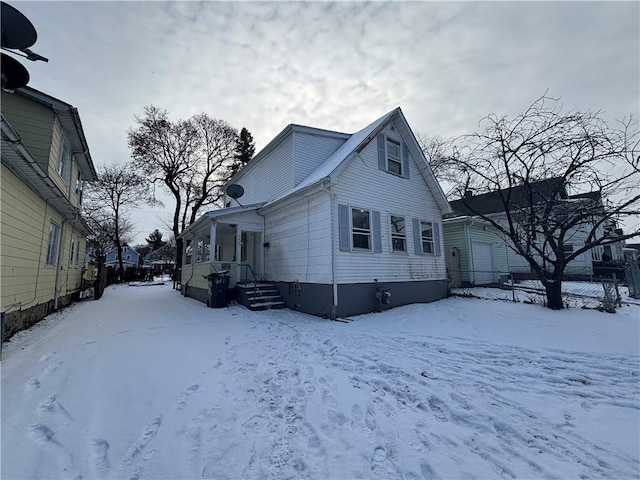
(161, 260)
(538, 194)
(338, 223)
(130, 258)
(476, 252)
(45, 163)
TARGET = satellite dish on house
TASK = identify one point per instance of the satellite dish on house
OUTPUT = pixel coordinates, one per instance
(17, 31)
(14, 75)
(235, 191)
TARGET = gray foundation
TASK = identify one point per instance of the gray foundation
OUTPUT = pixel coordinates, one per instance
(202, 294)
(358, 298)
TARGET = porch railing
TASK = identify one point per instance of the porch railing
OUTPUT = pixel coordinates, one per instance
(245, 278)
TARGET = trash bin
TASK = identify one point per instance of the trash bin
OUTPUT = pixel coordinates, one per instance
(218, 285)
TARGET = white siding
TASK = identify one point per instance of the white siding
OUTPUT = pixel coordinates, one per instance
(299, 237)
(271, 177)
(363, 185)
(310, 151)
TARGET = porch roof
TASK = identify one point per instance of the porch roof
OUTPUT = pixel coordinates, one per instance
(226, 213)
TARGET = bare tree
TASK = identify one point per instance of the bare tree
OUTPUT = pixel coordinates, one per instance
(512, 160)
(108, 202)
(190, 158)
(439, 153)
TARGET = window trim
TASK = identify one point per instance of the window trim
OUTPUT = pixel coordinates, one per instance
(431, 242)
(394, 235)
(63, 168)
(53, 247)
(188, 251)
(388, 155)
(360, 231)
(73, 251)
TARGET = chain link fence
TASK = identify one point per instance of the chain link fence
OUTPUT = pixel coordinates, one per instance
(578, 291)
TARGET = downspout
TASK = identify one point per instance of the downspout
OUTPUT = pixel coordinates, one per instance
(334, 279)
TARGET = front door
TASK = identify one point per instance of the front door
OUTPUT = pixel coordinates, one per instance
(251, 252)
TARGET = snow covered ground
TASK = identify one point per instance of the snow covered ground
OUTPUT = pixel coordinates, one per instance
(145, 383)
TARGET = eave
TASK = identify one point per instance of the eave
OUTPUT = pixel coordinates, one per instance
(17, 158)
(69, 119)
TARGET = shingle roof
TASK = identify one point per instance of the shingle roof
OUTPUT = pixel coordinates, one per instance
(520, 196)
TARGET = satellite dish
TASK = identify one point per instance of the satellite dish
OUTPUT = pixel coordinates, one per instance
(17, 31)
(14, 75)
(235, 191)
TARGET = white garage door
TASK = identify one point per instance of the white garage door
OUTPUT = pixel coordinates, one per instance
(483, 265)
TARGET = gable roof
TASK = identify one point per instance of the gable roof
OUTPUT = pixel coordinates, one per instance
(331, 168)
(521, 196)
(285, 133)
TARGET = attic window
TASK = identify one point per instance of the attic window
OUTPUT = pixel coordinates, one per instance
(394, 160)
(63, 164)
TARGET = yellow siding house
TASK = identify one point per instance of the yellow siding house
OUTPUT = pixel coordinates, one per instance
(45, 163)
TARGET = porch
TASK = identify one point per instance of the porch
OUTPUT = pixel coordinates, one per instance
(229, 242)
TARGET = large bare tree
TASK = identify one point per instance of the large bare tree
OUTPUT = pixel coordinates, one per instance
(438, 152)
(586, 157)
(190, 158)
(107, 205)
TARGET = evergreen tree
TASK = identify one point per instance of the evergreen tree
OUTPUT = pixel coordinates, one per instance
(245, 149)
(155, 240)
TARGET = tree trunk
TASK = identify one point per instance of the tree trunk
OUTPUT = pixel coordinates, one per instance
(554, 295)
(121, 274)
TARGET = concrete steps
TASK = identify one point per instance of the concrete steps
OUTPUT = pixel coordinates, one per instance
(259, 296)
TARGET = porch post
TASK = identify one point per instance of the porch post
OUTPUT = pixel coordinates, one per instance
(238, 253)
(212, 242)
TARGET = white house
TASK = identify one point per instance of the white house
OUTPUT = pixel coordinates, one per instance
(330, 219)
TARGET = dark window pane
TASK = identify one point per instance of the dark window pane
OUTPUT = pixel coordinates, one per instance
(395, 167)
(360, 219)
(398, 245)
(361, 241)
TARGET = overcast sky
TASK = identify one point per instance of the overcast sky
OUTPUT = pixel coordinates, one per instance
(337, 66)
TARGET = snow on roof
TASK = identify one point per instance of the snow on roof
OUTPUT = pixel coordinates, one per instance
(341, 155)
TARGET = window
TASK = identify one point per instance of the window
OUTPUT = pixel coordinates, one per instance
(79, 187)
(52, 244)
(207, 249)
(128, 257)
(77, 253)
(199, 248)
(72, 252)
(398, 235)
(63, 166)
(567, 249)
(426, 229)
(394, 160)
(361, 229)
(188, 252)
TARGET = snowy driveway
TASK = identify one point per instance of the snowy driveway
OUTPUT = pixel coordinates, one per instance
(147, 384)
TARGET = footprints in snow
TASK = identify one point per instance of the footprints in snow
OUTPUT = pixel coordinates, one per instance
(184, 396)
